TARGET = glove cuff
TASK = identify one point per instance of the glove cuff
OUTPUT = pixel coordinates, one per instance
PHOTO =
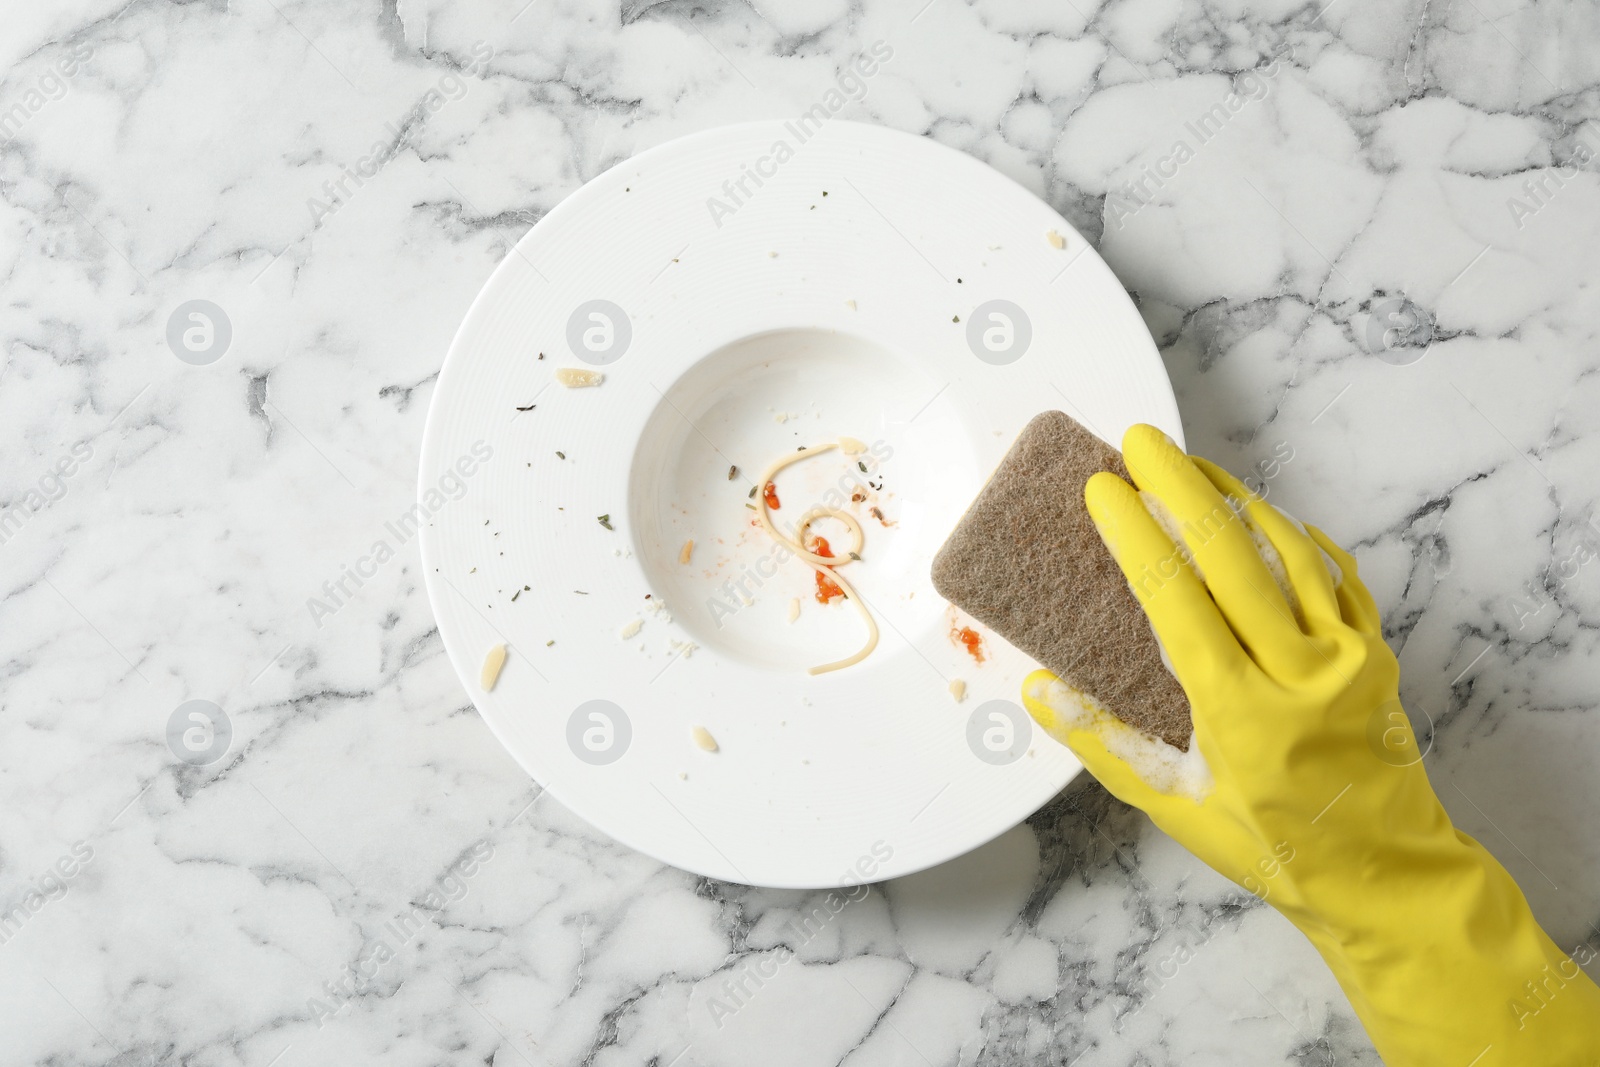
(1443, 962)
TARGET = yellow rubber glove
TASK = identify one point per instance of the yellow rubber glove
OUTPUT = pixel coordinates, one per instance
(1304, 784)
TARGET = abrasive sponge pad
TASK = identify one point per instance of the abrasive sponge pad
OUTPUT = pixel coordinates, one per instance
(1027, 562)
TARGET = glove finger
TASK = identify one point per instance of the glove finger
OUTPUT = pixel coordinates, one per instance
(1092, 733)
(1308, 579)
(1185, 618)
(1222, 547)
(1355, 602)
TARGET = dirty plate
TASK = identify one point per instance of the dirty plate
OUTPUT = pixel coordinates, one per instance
(743, 293)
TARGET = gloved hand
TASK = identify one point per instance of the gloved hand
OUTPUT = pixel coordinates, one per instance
(1304, 783)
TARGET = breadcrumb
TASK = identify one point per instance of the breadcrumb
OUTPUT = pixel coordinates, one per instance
(492, 663)
(578, 377)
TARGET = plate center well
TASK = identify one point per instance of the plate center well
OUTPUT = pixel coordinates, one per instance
(745, 405)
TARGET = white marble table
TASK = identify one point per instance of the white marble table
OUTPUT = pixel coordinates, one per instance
(365, 877)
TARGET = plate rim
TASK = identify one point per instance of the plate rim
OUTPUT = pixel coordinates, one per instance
(480, 306)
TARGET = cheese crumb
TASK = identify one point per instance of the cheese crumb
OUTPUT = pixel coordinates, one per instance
(578, 377)
(630, 629)
(852, 446)
(851, 304)
(703, 738)
(794, 608)
(958, 690)
(1055, 239)
(492, 663)
(688, 549)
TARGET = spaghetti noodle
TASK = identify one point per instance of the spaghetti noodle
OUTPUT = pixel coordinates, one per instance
(826, 566)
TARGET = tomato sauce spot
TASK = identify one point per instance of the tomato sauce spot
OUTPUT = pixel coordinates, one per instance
(827, 588)
(969, 639)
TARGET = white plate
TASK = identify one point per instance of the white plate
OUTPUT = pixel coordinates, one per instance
(827, 293)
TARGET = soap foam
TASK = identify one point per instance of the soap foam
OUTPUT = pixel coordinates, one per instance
(1165, 768)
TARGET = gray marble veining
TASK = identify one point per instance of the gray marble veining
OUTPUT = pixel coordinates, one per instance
(1364, 235)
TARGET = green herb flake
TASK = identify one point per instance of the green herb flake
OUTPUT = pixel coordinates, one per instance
(605, 520)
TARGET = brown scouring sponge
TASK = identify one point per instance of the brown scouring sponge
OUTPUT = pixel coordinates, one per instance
(1026, 561)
